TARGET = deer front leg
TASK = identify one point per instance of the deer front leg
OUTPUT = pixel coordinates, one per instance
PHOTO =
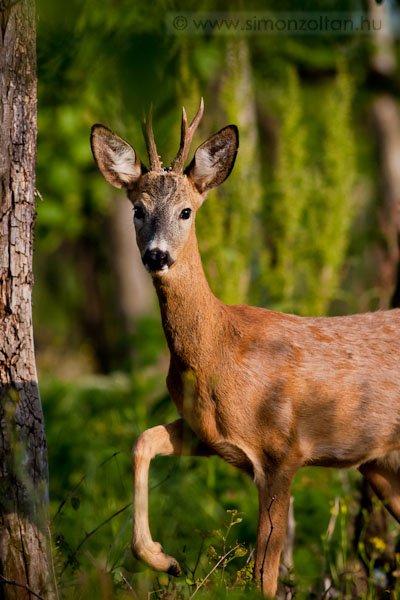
(172, 439)
(274, 503)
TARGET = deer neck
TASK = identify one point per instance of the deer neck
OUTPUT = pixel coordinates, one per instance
(190, 313)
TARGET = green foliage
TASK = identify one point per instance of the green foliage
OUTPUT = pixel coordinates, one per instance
(331, 204)
(284, 208)
(312, 202)
(230, 246)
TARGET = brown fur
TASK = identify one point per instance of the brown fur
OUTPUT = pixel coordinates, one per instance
(266, 391)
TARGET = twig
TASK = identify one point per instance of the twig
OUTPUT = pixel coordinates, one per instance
(248, 559)
(112, 545)
(332, 520)
(267, 543)
(52, 564)
(161, 482)
(327, 590)
(82, 479)
(153, 592)
(128, 584)
(20, 585)
(38, 194)
(198, 556)
(213, 569)
(250, 556)
(88, 535)
(225, 537)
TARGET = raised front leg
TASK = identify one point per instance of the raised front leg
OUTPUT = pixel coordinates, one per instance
(274, 502)
(172, 439)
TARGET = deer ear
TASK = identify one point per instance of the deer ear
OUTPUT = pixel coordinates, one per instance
(115, 158)
(213, 161)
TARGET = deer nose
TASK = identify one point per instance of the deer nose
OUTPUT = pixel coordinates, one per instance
(156, 259)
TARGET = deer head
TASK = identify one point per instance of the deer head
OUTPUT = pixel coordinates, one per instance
(165, 201)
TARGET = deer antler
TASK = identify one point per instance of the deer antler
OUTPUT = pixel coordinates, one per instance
(147, 127)
(186, 138)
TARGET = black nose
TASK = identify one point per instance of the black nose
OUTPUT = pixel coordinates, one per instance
(155, 259)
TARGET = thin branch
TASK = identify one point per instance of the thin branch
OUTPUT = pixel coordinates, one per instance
(250, 556)
(69, 494)
(88, 535)
(153, 592)
(112, 545)
(156, 485)
(332, 520)
(213, 569)
(129, 585)
(82, 479)
(198, 557)
(268, 540)
(37, 194)
(248, 559)
(20, 585)
(52, 563)
(73, 554)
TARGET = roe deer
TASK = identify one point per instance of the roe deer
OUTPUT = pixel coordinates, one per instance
(266, 391)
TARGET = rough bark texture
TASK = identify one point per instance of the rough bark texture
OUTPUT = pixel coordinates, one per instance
(24, 556)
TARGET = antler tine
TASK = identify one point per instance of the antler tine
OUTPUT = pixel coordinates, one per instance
(186, 138)
(147, 127)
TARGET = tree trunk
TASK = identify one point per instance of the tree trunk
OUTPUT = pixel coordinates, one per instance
(24, 537)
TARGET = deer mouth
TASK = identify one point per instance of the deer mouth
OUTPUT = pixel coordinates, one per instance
(156, 271)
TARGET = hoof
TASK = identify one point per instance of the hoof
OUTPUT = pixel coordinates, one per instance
(174, 568)
(154, 556)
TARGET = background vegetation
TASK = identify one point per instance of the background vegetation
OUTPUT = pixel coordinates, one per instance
(299, 227)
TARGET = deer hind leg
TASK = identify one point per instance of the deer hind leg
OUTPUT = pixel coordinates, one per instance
(171, 439)
(384, 479)
(274, 503)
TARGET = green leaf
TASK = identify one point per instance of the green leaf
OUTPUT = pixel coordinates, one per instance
(75, 502)
(241, 551)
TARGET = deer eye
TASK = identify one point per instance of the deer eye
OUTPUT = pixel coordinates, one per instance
(185, 214)
(139, 212)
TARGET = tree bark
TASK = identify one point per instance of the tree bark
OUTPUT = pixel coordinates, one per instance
(24, 538)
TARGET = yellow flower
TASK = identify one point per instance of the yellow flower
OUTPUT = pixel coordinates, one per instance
(379, 544)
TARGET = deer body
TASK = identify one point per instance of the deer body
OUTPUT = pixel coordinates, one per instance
(306, 388)
(266, 391)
